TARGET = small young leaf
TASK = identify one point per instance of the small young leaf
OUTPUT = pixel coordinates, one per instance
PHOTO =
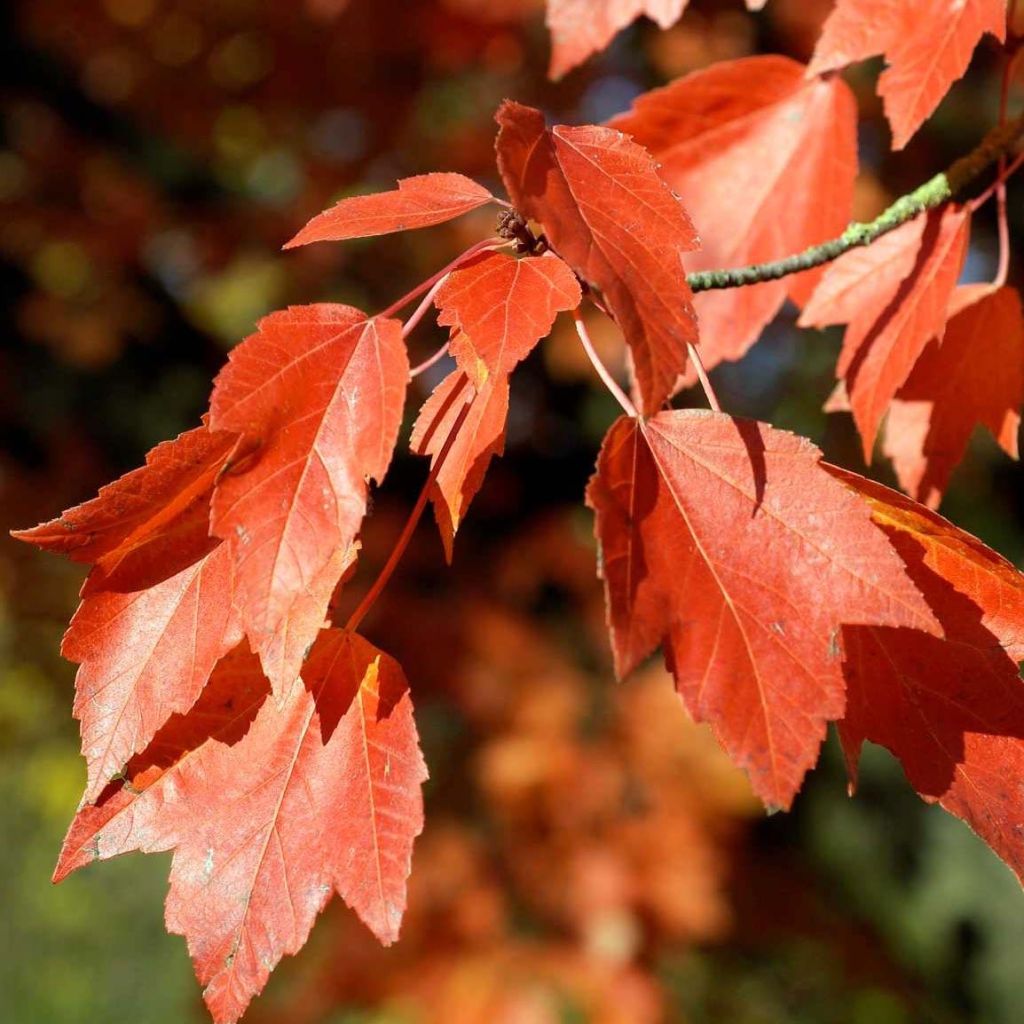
(609, 215)
(418, 202)
(500, 307)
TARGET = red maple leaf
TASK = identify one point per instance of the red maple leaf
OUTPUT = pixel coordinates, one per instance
(419, 202)
(951, 710)
(764, 159)
(269, 814)
(724, 541)
(609, 215)
(499, 308)
(927, 45)
(480, 437)
(580, 28)
(317, 393)
(893, 295)
(974, 375)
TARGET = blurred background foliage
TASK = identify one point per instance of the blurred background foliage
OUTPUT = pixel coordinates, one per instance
(589, 855)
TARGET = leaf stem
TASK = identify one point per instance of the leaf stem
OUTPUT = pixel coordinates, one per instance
(428, 363)
(1002, 223)
(609, 381)
(410, 526)
(473, 250)
(705, 381)
(410, 325)
(934, 192)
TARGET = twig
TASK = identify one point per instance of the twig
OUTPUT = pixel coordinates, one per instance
(938, 190)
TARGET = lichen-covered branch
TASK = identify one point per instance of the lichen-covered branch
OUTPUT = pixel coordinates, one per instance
(932, 193)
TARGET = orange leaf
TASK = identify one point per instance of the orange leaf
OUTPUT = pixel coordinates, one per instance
(500, 307)
(318, 392)
(145, 655)
(481, 436)
(951, 710)
(609, 215)
(927, 45)
(893, 294)
(765, 160)
(580, 28)
(418, 202)
(725, 542)
(319, 794)
(139, 517)
(975, 375)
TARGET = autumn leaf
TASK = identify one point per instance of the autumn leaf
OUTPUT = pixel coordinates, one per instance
(158, 608)
(893, 294)
(317, 393)
(418, 202)
(129, 809)
(765, 159)
(952, 709)
(320, 794)
(140, 522)
(480, 437)
(927, 45)
(146, 655)
(500, 307)
(580, 28)
(608, 214)
(975, 375)
(724, 541)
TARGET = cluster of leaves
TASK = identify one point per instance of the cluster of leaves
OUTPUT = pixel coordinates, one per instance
(225, 717)
(598, 885)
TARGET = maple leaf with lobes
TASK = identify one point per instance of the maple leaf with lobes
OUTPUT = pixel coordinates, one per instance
(765, 159)
(893, 295)
(317, 394)
(726, 542)
(974, 375)
(609, 215)
(927, 45)
(951, 709)
(499, 308)
(270, 809)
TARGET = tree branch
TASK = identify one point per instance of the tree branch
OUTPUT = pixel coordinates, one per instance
(938, 190)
